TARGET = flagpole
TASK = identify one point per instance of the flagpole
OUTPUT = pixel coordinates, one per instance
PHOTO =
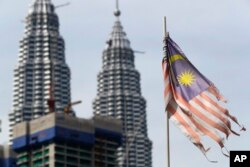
(166, 35)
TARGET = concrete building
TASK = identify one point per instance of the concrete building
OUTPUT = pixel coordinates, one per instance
(41, 72)
(119, 96)
(60, 140)
(7, 157)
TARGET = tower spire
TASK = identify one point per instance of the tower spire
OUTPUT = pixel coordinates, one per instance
(117, 12)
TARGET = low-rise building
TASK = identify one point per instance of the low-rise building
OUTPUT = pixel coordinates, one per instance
(61, 140)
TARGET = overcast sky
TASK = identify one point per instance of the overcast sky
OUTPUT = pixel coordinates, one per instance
(215, 35)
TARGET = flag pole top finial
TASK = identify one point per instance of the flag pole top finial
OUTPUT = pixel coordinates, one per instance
(166, 34)
(117, 12)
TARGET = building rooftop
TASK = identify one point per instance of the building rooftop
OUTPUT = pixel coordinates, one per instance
(63, 127)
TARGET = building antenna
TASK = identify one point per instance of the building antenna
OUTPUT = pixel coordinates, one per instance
(62, 5)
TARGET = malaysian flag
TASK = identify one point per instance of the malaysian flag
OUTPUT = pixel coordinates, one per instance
(193, 101)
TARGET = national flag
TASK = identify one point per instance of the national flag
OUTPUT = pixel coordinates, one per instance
(192, 100)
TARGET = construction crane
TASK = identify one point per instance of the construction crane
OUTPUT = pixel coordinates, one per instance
(67, 109)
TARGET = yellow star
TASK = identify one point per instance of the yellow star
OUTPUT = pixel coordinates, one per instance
(186, 78)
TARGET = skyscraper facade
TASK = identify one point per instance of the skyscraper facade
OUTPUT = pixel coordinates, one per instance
(41, 73)
(119, 96)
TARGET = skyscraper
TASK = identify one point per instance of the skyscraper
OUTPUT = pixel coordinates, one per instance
(119, 96)
(41, 73)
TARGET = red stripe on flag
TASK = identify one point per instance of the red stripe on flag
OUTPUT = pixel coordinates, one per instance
(213, 90)
(202, 116)
(185, 125)
(211, 111)
(208, 132)
(165, 70)
(223, 110)
(167, 90)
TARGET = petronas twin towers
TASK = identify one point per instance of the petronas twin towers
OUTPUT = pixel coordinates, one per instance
(41, 66)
